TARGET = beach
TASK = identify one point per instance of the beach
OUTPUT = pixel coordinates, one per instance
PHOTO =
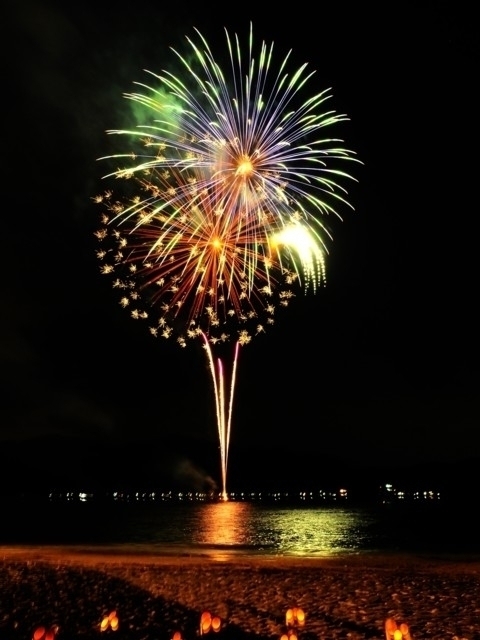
(70, 591)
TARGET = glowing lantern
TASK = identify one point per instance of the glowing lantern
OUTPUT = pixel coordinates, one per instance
(205, 622)
(405, 631)
(390, 628)
(177, 636)
(396, 632)
(295, 616)
(284, 636)
(300, 615)
(109, 621)
(216, 624)
(39, 633)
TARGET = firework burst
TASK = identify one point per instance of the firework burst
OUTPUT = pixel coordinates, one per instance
(225, 188)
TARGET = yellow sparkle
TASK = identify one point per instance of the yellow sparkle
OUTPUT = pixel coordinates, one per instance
(245, 167)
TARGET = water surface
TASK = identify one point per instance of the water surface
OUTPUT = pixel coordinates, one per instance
(242, 527)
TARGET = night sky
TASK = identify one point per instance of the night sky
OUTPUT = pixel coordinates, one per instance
(380, 367)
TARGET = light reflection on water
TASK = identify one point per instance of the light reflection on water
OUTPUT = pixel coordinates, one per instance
(289, 531)
(243, 528)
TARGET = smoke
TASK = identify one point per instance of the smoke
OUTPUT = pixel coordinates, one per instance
(193, 478)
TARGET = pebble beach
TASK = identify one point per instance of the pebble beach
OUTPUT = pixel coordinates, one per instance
(68, 593)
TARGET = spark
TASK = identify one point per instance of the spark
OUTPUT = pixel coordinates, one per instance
(226, 187)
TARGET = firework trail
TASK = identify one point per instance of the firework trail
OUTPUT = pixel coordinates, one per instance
(220, 214)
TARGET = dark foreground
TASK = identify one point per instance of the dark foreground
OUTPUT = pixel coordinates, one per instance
(71, 592)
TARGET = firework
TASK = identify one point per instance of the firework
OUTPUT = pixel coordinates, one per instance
(225, 188)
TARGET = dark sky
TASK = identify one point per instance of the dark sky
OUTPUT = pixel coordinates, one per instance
(380, 365)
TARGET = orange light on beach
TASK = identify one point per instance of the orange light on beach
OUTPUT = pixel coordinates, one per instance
(291, 634)
(110, 621)
(208, 623)
(390, 628)
(39, 633)
(42, 633)
(396, 632)
(205, 622)
(300, 615)
(295, 616)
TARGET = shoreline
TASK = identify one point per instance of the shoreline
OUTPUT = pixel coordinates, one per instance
(127, 554)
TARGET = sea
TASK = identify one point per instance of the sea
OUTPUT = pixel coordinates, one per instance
(232, 528)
